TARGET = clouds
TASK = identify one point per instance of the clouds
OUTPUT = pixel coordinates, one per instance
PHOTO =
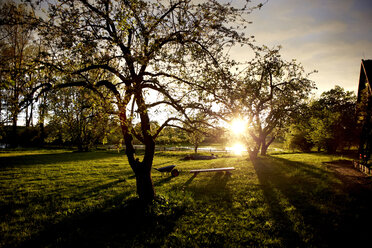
(330, 36)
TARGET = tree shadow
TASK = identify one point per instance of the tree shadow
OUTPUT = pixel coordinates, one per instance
(283, 225)
(213, 190)
(96, 189)
(187, 183)
(308, 206)
(162, 181)
(115, 224)
(156, 165)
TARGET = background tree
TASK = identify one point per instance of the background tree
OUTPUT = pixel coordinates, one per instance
(296, 134)
(333, 121)
(296, 138)
(151, 47)
(197, 128)
(171, 136)
(17, 70)
(78, 117)
(327, 123)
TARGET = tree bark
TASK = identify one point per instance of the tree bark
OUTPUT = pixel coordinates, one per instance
(142, 170)
(264, 150)
(253, 153)
(42, 113)
(14, 140)
(27, 123)
(145, 186)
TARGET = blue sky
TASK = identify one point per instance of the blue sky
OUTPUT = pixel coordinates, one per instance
(330, 36)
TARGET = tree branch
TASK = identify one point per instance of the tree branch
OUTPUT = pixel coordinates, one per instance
(164, 125)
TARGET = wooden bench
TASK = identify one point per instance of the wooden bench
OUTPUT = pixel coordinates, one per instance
(227, 169)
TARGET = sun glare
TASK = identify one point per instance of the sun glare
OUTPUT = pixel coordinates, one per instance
(238, 126)
(238, 149)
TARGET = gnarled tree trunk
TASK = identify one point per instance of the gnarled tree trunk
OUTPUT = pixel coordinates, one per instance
(253, 153)
(141, 169)
(145, 187)
(265, 146)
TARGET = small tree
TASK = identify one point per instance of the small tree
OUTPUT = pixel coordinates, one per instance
(196, 130)
(196, 137)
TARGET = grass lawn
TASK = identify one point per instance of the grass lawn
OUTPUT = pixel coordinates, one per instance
(65, 199)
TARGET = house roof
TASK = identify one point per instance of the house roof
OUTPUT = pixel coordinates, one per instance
(365, 77)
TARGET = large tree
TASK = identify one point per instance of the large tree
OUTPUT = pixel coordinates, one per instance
(155, 49)
(268, 92)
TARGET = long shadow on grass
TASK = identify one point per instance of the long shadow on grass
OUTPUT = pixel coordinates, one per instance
(308, 206)
(27, 160)
(116, 224)
(162, 181)
(96, 189)
(214, 189)
(54, 199)
(187, 183)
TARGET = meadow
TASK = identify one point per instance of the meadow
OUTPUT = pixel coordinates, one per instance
(59, 198)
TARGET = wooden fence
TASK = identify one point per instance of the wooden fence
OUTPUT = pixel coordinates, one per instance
(362, 167)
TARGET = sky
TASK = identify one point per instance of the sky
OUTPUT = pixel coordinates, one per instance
(330, 36)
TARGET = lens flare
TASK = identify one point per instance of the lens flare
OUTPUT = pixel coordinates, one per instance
(238, 149)
(238, 126)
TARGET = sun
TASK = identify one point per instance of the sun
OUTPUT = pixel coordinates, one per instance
(238, 126)
(238, 148)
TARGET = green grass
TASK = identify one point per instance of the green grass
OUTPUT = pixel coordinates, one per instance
(65, 199)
